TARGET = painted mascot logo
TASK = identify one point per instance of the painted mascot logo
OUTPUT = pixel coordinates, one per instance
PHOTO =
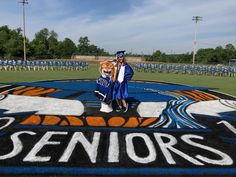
(150, 107)
(163, 118)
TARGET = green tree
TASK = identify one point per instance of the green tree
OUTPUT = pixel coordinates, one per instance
(67, 48)
(83, 47)
(40, 44)
(53, 45)
(11, 43)
(230, 52)
(157, 54)
(204, 55)
(4, 36)
(45, 44)
(230, 47)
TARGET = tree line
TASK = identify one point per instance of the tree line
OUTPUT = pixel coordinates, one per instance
(218, 55)
(45, 45)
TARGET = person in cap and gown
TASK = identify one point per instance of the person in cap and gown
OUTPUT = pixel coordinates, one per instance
(124, 73)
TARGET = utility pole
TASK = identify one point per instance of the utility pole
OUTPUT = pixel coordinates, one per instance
(196, 19)
(23, 2)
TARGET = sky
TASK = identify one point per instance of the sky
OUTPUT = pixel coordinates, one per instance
(137, 26)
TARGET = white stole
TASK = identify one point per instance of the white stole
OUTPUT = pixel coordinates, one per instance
(121, 74)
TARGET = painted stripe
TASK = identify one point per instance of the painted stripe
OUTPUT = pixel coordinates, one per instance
(117, 171)
(213, 108)
(41, 105)
(151, 109)
(122, 129)
(225, 117)
(229, 140)
(228, 125)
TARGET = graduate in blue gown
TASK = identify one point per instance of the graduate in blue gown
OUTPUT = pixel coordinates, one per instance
(123, 75)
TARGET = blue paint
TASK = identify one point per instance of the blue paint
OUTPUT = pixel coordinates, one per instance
(89, 96)
(62, 94)
(64, 85)
(141, 91)
(223, 117)
(121, 129)
(227, 116)
(228, 140)
(148, 96)
(2, 133)
(175, 115)
(117, 171)
(90, 85)
(163, 86)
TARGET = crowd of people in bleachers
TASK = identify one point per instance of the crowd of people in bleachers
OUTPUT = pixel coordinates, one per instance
(37, 65)
(218, 70)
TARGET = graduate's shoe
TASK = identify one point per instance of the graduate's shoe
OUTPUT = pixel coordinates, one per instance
(126, 108)
(118, 109)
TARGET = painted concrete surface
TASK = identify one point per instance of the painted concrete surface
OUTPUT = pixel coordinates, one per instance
(56, 128)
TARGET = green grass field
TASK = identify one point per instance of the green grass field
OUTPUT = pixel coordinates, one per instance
(222, 84)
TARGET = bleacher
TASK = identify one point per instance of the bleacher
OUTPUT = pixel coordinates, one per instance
(224, 71)
(37, 65)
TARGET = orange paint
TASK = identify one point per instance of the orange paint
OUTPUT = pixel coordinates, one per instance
(32, 120)
(206, 96)
(4, 93)
(75, 121)
(92, 121)
(63, 123)
(148, 121)
(20, 91)
(96, 121)
(140, 119)
(132, 122)
(51, 120)
(197, 95)
(38, 91)
(116, 121)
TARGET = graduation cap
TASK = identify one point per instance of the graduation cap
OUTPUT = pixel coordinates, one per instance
(120, 53)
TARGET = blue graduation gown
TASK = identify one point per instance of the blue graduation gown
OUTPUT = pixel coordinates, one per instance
(104, 89)
(120, 90)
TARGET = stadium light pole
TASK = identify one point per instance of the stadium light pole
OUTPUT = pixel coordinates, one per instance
(23, 2)
(196, 19)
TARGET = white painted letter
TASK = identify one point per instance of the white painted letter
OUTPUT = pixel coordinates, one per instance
(17, 144)
(113, 152)
(131, 151)
(228, 125)
(90, 148)
(10, 120)
(32, 155)
(225, 159)
(167, 147)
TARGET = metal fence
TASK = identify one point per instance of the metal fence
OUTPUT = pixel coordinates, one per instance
(37, 65)
(186, 69)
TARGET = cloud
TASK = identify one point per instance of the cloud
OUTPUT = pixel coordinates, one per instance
(143, 27)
